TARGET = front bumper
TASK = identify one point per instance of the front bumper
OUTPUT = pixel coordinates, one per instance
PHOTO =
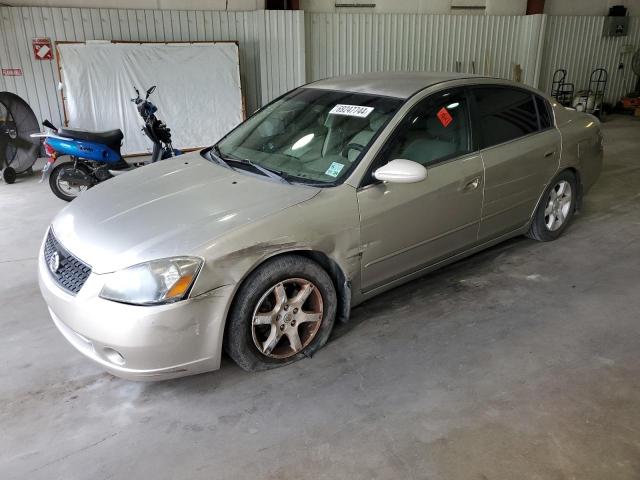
(139, 342)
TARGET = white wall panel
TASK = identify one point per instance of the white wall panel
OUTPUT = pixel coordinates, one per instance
(588, 7)
(493, 7)
(346, 43)
(271, 45)
(282, 51)
(279, 50)
(531, 44)
(577, 45)
(97, 94)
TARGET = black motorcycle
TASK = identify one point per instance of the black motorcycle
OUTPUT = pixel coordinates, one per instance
(155, 129)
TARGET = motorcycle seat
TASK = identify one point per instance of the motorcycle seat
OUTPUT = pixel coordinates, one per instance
(110, 137)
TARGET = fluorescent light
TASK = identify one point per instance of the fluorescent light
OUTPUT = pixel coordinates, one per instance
(453, 105)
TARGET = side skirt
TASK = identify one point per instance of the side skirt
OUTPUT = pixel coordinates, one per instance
(357, 299)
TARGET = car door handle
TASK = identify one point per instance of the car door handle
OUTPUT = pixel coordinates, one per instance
(472, 185)
(548, 154)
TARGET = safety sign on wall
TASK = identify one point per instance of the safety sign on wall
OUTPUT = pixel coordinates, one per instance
(42, 49)
(11, 72)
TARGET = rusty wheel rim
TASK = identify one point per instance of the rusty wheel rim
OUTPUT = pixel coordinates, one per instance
(287, 318)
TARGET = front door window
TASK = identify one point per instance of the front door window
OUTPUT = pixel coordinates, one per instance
(434, 131)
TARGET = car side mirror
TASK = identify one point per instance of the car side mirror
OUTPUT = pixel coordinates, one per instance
(401, 171)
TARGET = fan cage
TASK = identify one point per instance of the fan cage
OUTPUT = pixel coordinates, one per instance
(17, 122)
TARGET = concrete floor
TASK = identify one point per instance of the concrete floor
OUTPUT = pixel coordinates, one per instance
(522, 362)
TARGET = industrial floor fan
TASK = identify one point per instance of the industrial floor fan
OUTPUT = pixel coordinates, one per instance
(18, 151)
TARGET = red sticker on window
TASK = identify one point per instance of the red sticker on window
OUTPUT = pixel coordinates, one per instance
(445, 117)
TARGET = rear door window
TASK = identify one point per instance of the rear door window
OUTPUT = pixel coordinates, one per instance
(504, 114)
(544, 113)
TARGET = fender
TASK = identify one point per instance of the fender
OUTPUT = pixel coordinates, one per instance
(48, 166)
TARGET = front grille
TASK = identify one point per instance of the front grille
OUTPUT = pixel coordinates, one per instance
(70, 273)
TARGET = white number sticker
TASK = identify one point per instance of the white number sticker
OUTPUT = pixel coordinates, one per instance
(351, 110)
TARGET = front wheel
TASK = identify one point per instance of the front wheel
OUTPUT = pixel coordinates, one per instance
(283, 312)
(65, 189)
(556, 209)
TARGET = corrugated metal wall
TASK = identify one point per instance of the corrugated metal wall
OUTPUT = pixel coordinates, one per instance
(271, 45)
(279, 50)
(577, 45)
(346, 43)
(282, 44)
(530, 47)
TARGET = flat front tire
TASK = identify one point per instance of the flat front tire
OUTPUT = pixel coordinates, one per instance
(556, 209)
(284, 311)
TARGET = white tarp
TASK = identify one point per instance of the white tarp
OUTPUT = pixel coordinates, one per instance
(198, 94)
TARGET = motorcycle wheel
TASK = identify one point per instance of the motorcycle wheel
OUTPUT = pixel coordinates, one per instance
(63, 189)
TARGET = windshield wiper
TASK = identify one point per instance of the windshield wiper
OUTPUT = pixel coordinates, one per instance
(271, 173)
(265, 171)
(289, 178)
(216, 156)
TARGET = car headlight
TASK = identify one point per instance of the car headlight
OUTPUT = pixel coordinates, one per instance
(152, 283)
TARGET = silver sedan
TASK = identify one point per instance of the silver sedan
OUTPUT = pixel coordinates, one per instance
(333, 193)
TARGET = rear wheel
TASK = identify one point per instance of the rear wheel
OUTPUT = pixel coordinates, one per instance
(556, 209)
(64, 189)
(283, 312)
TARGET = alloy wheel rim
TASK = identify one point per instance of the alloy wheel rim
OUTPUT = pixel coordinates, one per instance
(287, 318)
(558, 206)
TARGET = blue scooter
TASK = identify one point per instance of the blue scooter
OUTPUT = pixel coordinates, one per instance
(95, 156)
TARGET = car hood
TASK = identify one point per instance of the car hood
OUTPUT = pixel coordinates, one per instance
(173, 207)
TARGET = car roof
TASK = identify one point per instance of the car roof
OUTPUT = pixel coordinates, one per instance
(389, 84)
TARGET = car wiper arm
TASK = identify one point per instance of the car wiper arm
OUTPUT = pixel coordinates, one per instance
(265, 171)
(270, 173)
(289, 178)
(216, 156)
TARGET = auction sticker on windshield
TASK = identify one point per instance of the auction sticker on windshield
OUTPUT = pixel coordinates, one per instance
(334, 169)
(351, 110)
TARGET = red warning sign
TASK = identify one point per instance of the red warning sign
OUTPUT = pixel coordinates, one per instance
(445, 117)
(42, 48)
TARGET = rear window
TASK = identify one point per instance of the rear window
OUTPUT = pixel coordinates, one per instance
(504, 114)
(543, 113)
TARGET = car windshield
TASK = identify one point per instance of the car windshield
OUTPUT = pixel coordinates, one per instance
(310, 135)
